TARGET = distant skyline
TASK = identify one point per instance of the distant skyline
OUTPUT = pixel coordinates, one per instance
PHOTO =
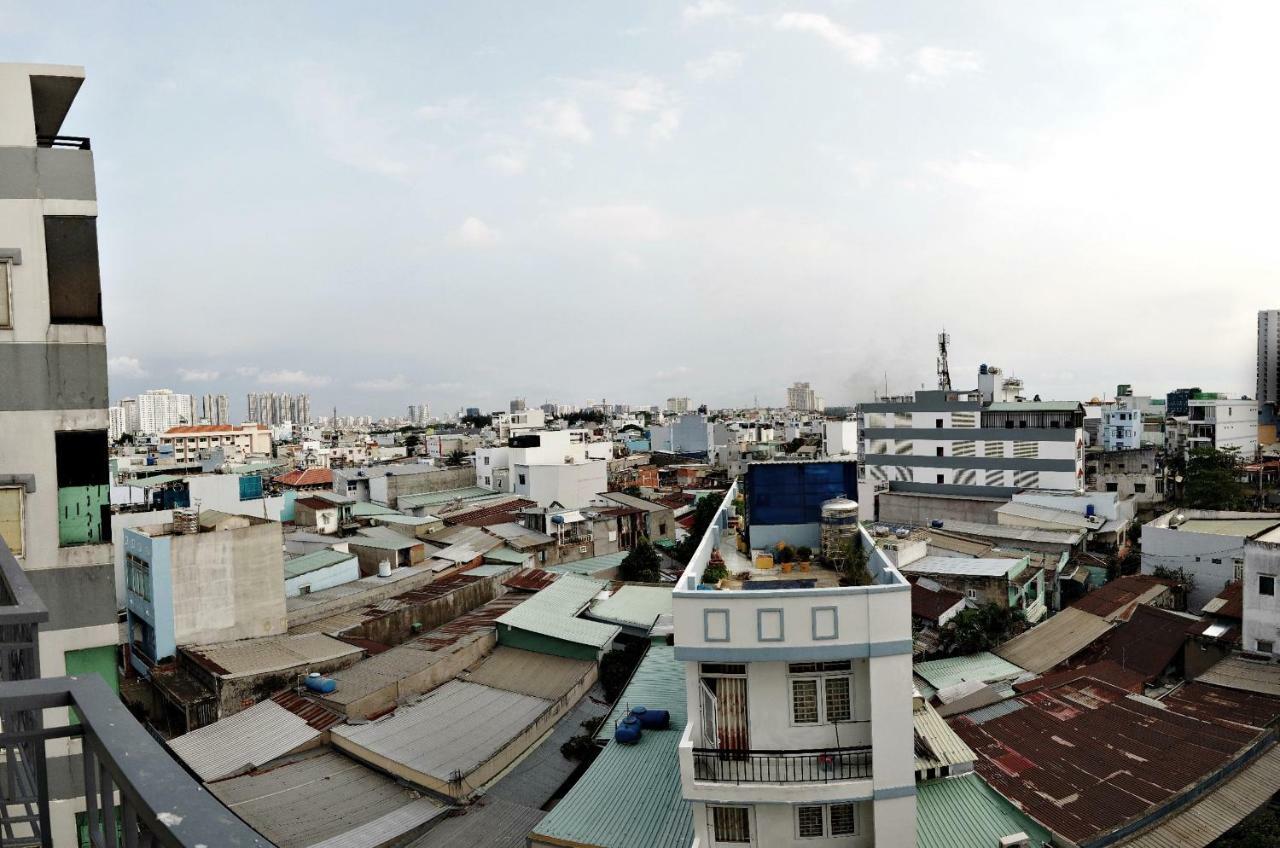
(460, 204)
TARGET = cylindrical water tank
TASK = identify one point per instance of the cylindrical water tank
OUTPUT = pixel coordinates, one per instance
(384, 568)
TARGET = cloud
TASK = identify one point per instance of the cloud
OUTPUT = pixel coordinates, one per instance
(934, 63)
(286, 377)
(672, 373)
(196, 375)
(631, 101)
(858, 48)
(509, 162)
(706, 10)
(617, 222)
(125, 366)
(718, 65)
(449, 109)
(384, 384)
(561, 118)
(248, 370)
(475, 233)
(975, 171)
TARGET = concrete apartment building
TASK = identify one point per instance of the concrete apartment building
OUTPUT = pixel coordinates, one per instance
(206, 577)
(215, 409)
(774, 675)
(161, 409)
(965, 443)
(1209, 545)
(1222, 422)
(54, 469)
(546, 466)
(1261, 623)
(238, 441)
(1268, 388)
(802, 398)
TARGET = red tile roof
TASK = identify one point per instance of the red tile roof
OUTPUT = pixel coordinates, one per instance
(1119, 593)
(930, 604)
(186, 429)
(306, 477)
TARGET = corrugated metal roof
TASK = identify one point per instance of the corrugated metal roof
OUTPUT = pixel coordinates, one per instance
(1053, 641)
(961, 566)
(383, 538)
(274, 653)
(458, 727)
(633, 606)
(1237, 672)
(364, 509)
(313, 713)
(937, 745)
(1036, 512)
(1219, 811)
(1117, 598)
(491, 822)
(321, 796)
(529, 673)
(1148, 642)
(554, 612)
(242, 741)
(490, 570)
(963, 812)
(504, 554)
(984, 667)
(531, 580)
(1016, 534)
(631, 796)
(591, 565)
(323, 558)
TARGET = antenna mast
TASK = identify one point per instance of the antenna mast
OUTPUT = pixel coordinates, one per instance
(944, 370)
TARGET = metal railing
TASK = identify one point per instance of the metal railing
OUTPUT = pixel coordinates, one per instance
(815, 765)
(135, 793)
(75, 142)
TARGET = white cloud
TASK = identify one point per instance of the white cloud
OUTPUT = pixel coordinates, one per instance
(561, 118)
(475, 233)
(631, 101)
(509, 162)
(858, 48)
(673, 373)
(975, 171)
(286, 377)
(665, 127)
(617, 222)
(720, 64)
(248, 370)
(449, 109)
(125, 366)
(197, 375)
(384, 384)
(933, 63)
(705, 10)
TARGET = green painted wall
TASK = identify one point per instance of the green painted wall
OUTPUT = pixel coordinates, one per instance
(80, 514)
(527, 641)
(100, 661)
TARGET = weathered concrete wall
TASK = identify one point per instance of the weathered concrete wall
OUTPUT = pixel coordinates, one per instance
(919, 510)
(433, 480)
(397, 627)
(228, 585)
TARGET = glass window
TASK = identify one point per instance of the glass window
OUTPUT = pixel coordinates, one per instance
(1265, 647)
(731, 824)
(804, 701)
(1266, 584)
(843, 821)
(809, 822)
(836, 690)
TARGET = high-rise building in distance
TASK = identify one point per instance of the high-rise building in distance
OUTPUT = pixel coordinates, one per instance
(160, 409)
(802, 398)
(214, 409)
(1268, 389)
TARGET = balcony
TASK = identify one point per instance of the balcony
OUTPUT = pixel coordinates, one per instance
(818, 765)
(135, 793)
(73, 142)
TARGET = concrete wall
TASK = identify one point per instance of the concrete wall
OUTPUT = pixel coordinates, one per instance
(228, 584)
(346, 571)
(1261, 612)
(919, 510)
(536, 642)
(388, 489)
(570, 485)
(1195, 553)
(398, 626)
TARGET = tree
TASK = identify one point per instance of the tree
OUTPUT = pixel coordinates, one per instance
(456, 458)
(476, 421)
(980, 629)
(641, 565)
(704, 513)
(852, 560)
(616, 667)
(411, 441)
(633, 490)
(1213, 480)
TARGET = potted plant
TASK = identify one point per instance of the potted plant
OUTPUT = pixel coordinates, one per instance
(804, 554)
(786, 556)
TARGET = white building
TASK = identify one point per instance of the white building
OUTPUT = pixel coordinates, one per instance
(678, 405)
(116, 423)
(1222, 422)
(1121, 428)
(839, 438)
(131, 420)
(238, 442)
(690, 433)
(1261, 631)
(774, 677)
(802, 398)
(1268, 389)
(160, 409)
(1209, 545)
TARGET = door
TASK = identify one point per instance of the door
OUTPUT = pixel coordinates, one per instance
(710, 708)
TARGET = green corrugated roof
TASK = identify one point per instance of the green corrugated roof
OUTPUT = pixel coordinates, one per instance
(634, 606)
(407, 520)
(1034, 406)
(985, 667)
(554, 612)
(963, 812)
(363, 509)
(590, 565)
(504, 555)
(631, 796)
(322, 558)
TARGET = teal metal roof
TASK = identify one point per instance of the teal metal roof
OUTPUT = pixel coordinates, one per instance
(466, 493)
(406, 520)
(963, 812)
(504, 555)
(554, 612)
(985, 667)
(633, 606)
(631, 797)
(386, 540)
(323, 558)
(363, 509)
(590, 565)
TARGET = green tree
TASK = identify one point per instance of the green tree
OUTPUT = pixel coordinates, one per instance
(852, 560)
(411, 441)
(804, 553)
(456, 458)
(616, 667)
(1212, 480)
(641, 565)
(476, 421)
(704, 512)
(786, 553)
(980, 629)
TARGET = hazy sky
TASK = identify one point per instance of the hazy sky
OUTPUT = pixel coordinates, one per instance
(458, 203)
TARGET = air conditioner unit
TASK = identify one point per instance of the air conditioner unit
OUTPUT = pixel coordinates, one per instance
(1016, 840)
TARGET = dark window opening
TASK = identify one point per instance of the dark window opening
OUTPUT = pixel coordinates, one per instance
(941, 452)
(937, 423)
(1266, 584)
(940, 480)
(71, 249)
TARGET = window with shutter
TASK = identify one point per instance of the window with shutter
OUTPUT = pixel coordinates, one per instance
(11, 498)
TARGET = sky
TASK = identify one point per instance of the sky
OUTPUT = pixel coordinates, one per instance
(461, 203)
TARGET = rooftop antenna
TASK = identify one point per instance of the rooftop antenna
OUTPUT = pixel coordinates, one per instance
(944, 370)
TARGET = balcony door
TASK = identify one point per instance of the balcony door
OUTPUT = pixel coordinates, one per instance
(723, 694)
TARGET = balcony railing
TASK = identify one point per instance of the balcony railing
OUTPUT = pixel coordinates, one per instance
(135, 793)
(75, 142)
(816, 765)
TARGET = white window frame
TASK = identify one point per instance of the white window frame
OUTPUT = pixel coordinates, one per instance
(828, 831)
(711, 824)
(819, 677)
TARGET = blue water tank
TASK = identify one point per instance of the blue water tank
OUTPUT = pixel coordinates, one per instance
(1088, 510)
(324, 685)
(628, 731)
(652, 719)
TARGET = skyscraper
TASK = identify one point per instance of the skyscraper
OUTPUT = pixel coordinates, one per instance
(802, 398)
(214, 409)
(1268, 389)
(160, 409)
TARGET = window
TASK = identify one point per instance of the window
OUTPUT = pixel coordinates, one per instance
(1140, 488)
(486, 460)
(971, 594)
(11, 518)
(804, 701)
(824, 695)
(138, 576)
(809, 822)
(733, 669)
(1265, 647)
(1239, 575)
(940, 480)
(6, 294)
(1111, 487)
(1216, 561)
(839, 707)
(71, 248)
(937, 423)
(730, 824)
(941, 452)
(843, 820)
(1266, 584)
(662, 529)
(521, 478)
